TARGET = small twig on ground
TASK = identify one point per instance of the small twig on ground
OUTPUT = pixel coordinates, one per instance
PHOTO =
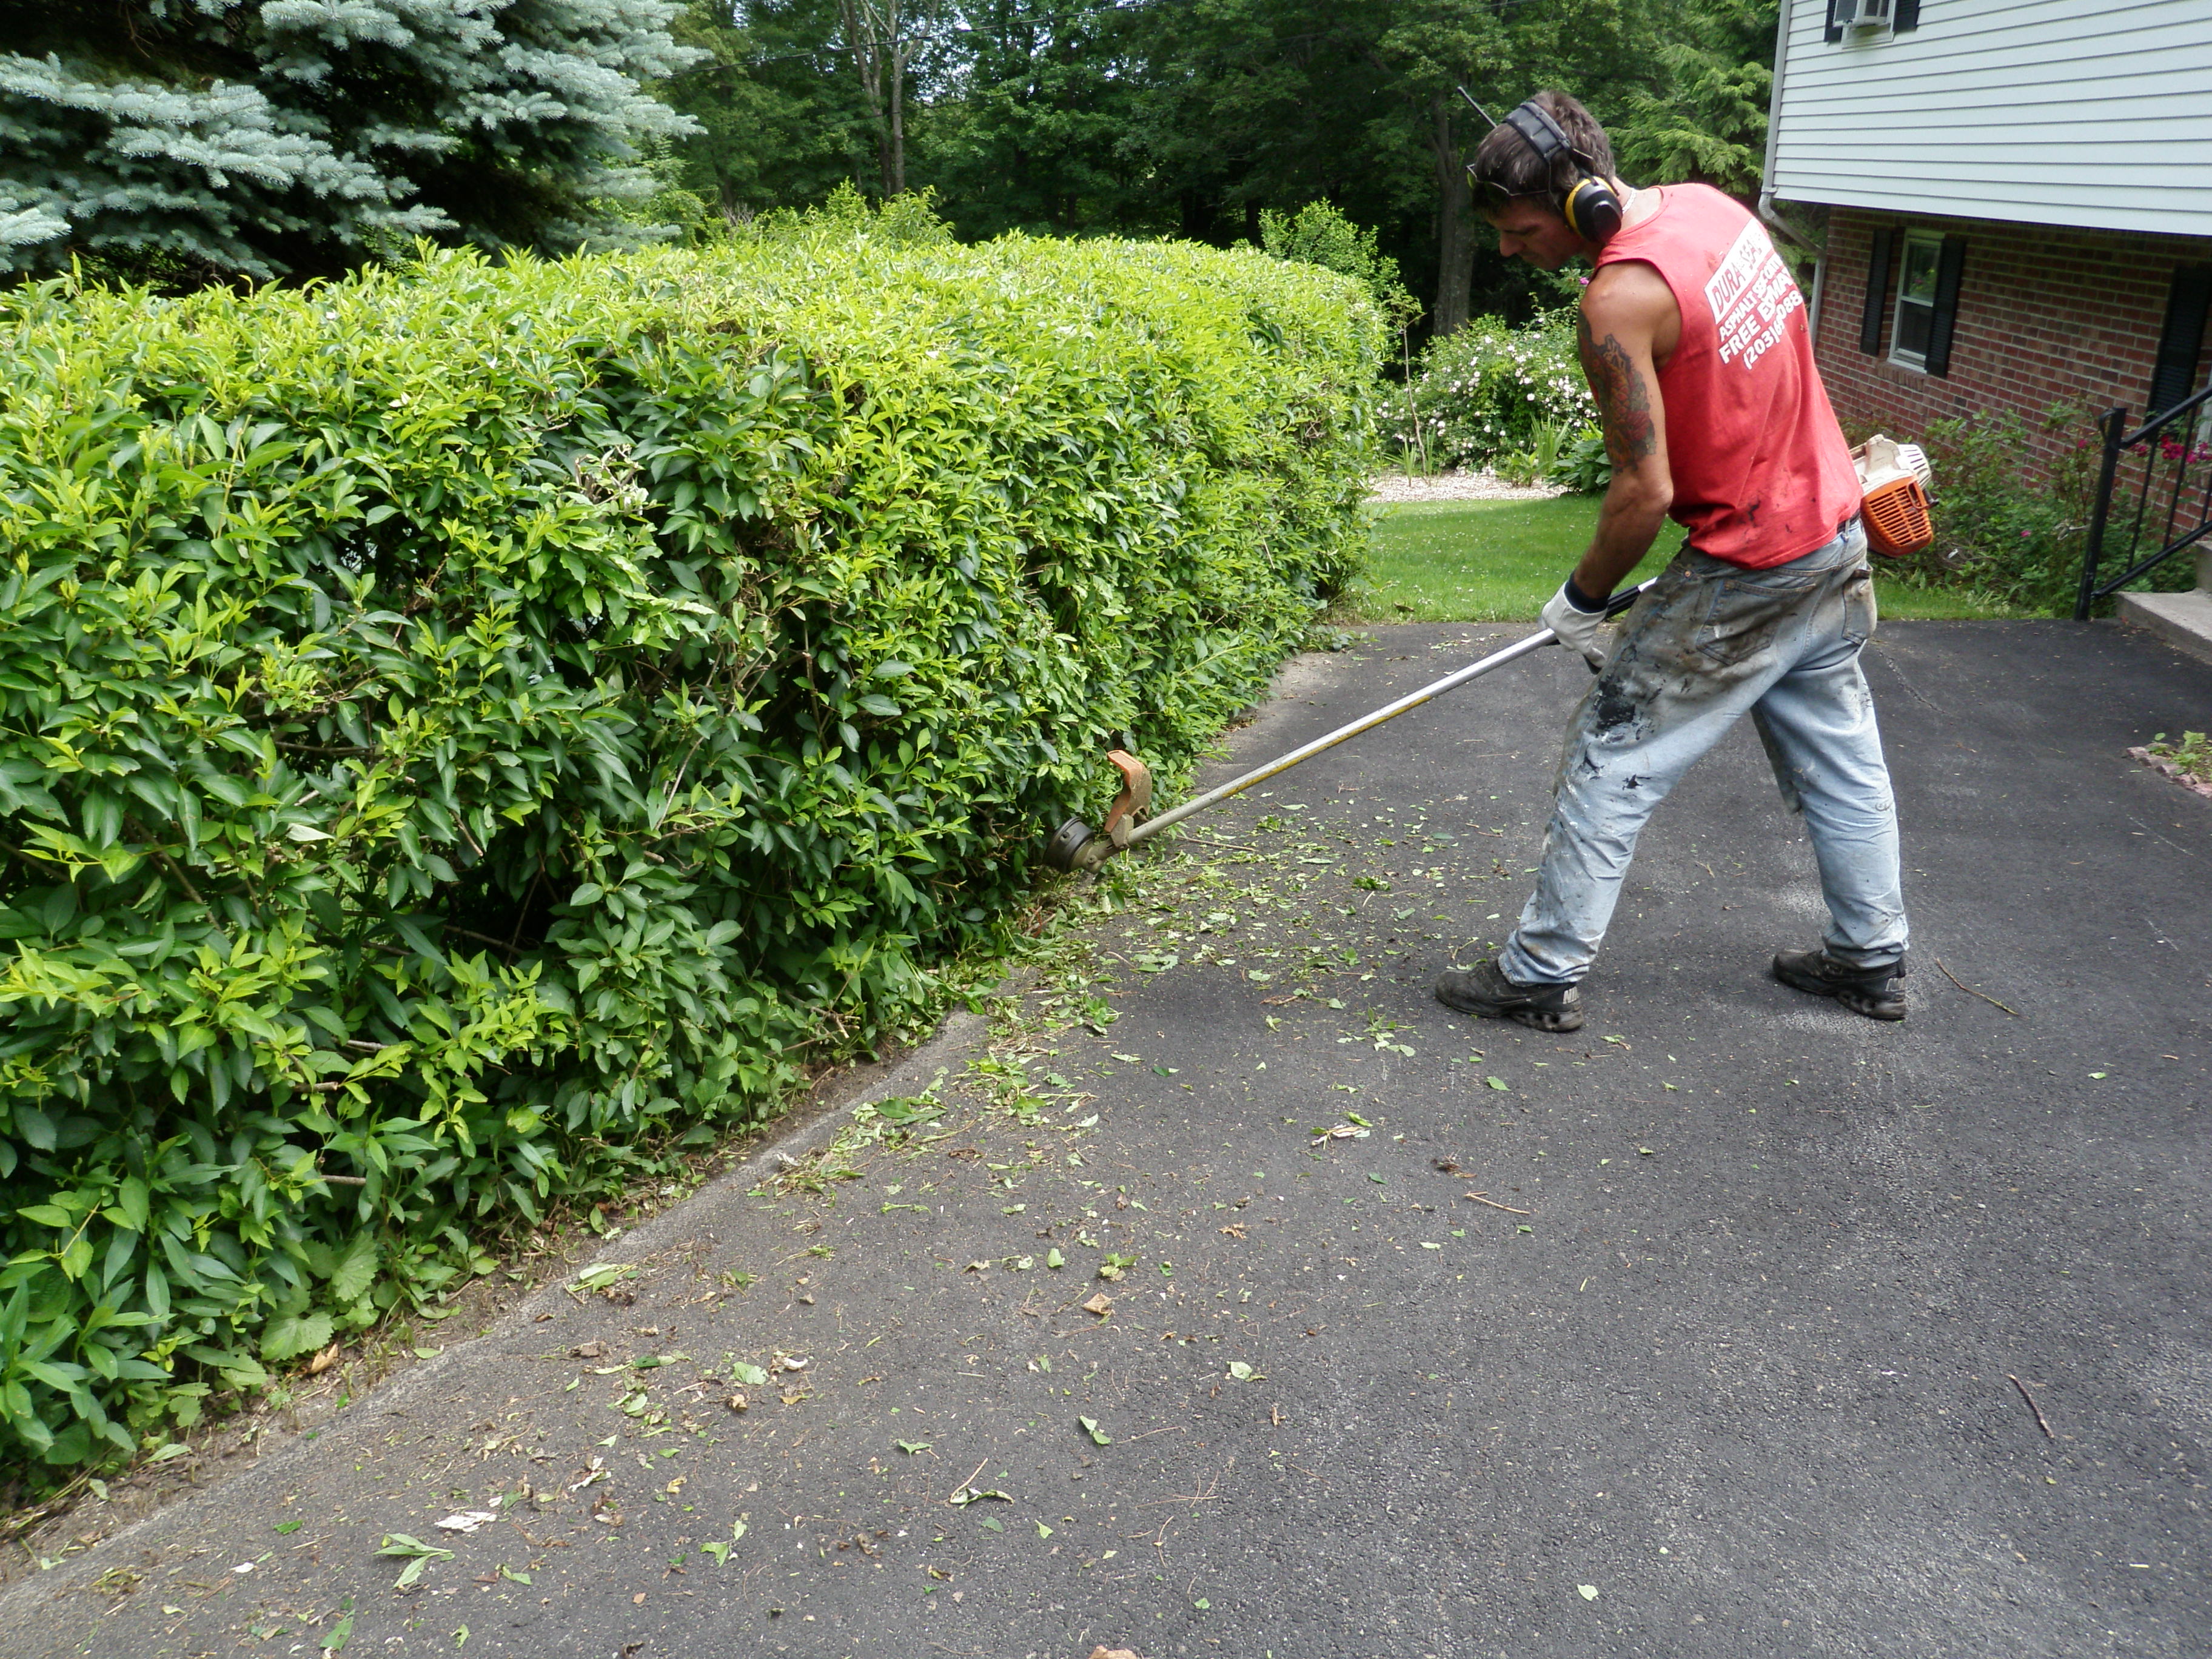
(969, 1482)
(2032, 1406)
(1494, 1204)
(1972, 991)
(1197, 1494)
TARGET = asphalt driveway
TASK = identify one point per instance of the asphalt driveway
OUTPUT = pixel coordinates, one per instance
(1741, 1352)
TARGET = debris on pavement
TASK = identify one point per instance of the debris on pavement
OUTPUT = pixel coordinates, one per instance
(419, 1554)
(1331, 1275)
(1479, 1199)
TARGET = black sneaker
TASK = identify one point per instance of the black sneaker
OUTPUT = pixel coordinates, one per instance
(1877, 992)
(1484, 989)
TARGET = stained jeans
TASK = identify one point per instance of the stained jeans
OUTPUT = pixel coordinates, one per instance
(1708, 642)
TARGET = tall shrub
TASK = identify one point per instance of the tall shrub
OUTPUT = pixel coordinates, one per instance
(468, 730)
(1319, 234)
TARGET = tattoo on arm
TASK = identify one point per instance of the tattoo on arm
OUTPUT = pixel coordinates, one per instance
(1624, 401)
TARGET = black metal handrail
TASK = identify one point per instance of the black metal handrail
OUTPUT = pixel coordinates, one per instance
(2157, 440)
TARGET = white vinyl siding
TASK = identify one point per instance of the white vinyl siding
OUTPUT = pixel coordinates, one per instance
(2049, 113)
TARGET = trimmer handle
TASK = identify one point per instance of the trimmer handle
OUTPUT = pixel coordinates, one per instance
(1620, 601)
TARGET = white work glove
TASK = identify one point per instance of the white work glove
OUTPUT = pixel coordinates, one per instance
(1576, 629)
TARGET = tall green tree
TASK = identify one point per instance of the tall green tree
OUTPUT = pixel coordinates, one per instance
(778, 113)
(887, 40)
(1194, 117)
(262, 137)
(1248, 104)
(1597, 49)
(1703, 118)
(1033, 129)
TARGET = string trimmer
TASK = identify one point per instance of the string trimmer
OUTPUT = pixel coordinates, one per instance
(1076, 846)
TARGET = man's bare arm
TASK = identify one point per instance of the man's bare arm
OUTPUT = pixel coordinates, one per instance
(1627, 307)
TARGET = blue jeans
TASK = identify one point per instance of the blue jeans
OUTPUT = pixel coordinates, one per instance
(1708, 642)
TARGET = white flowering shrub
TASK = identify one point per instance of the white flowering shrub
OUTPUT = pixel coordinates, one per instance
(1486, 390)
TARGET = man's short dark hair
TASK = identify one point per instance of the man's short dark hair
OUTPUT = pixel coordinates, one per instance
(1508, 163)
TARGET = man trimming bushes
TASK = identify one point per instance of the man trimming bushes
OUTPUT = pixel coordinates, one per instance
(1693, 338)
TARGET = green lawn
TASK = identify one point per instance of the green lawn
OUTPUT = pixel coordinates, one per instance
(1499, 561)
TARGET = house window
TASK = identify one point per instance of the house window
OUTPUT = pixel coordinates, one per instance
(1916, 300)
(2188, 304)
(1928, 278)
(1867, 20)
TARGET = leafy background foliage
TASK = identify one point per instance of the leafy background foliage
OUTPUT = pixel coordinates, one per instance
(1321, 235)
(469, 731)
(197, 139)
(186, 140)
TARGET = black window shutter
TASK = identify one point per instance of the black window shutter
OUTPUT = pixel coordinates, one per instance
(1877, 292)
(1834, 32)
(1905, 17)
(1950, 264)
(2183, 337)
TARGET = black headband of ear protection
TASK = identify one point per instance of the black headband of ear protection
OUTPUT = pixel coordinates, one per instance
(1543, 134)
(1539, 132)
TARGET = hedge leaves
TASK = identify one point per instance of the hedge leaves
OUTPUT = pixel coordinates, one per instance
(466, 728)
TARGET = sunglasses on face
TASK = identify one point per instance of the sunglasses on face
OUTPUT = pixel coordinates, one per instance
(1493, 198)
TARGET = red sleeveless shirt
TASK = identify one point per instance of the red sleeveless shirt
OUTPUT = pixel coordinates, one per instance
(1762, 474)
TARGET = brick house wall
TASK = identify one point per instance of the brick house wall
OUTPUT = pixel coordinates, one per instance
(2045, 316)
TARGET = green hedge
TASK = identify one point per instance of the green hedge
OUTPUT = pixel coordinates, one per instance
(470, 730)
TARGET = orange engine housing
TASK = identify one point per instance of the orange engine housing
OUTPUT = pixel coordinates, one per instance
(1897, 521)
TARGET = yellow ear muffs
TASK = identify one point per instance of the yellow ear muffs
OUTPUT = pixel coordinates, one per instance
(1589, 207)
(1592, 210)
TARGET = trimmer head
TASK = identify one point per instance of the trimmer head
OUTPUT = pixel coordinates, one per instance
(1066, 844)
(1076, 846)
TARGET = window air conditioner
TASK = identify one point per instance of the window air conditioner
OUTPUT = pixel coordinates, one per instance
(1862, 13)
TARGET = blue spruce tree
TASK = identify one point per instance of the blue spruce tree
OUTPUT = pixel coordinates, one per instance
(214, 138)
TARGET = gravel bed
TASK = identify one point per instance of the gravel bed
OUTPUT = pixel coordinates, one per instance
(1457, 486)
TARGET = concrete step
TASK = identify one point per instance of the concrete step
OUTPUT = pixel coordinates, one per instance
(2184, 620)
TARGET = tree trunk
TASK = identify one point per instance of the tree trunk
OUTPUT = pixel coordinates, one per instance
(864, 34)
(898, 121)
(1455, 223)
(1197, 216)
